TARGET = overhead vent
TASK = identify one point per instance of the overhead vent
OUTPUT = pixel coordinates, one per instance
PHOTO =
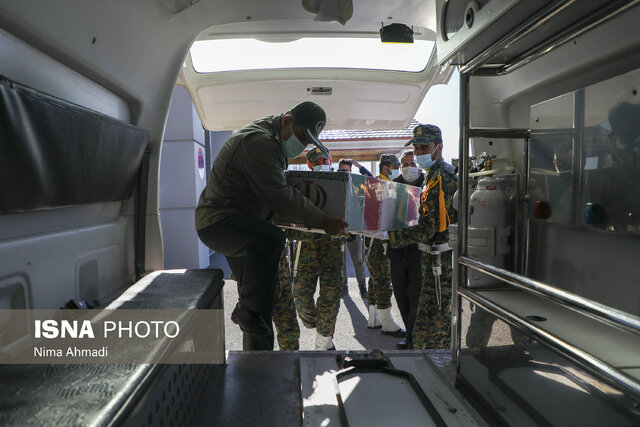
(319, 90)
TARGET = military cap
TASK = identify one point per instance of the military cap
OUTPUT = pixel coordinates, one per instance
(315, 153)
(425, 134)
(390, 159)
(312, 118)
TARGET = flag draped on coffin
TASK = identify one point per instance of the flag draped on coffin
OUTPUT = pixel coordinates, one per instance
(369, 205)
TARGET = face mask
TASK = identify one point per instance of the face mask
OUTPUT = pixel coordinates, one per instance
(425, 161)
(292, 146)
(410, 173)
(322, 168)
(394, 173)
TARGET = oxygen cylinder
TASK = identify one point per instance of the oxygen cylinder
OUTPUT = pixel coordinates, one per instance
(473, 183)
(488, 209)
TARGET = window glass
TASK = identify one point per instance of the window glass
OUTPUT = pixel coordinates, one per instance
(590, 175)
(209, 56)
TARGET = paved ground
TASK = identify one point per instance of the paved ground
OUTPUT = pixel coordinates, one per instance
(351, 326)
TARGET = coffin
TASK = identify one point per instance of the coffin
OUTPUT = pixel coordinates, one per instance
(369, 205)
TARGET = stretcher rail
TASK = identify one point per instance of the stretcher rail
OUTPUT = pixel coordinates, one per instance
(596, 366)
(594, 309)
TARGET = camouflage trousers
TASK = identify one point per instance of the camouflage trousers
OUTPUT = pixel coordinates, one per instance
(284, 310)
(380, 289)
(323, 313)
(433, 327)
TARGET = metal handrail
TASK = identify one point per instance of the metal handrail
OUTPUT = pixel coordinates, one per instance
(463, 218)
(498, 133)
(601, 369)
(526, 208)
(618, 318)
(571, 132)
(537, 20)
(571, 33)
(533, 22)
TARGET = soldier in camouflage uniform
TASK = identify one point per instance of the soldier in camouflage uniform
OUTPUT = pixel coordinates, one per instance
(380, 289)
(320, 257)
(284, 310)
(433, 325)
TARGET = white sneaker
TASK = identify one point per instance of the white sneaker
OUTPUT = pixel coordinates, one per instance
(374, 318)
(324, 343)
(389, 326)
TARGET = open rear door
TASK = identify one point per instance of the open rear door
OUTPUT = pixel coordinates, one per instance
(239, 72)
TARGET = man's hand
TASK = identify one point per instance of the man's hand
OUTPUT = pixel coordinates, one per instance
(334, 225)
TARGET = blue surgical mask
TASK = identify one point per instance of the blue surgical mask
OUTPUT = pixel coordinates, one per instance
(322, 168)
(292, 146)
(425, 161)
(394, 174)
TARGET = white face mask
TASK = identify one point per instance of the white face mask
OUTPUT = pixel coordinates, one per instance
(292, 147)
(322, 168)
(410, 173)
(393, 174)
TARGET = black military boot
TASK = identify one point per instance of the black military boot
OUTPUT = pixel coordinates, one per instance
(404, 345)
(250, 321)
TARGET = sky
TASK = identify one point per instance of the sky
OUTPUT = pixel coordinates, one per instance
(441, 108)
(350, 52)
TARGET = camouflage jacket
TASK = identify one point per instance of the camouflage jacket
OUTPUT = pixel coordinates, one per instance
(435, 216)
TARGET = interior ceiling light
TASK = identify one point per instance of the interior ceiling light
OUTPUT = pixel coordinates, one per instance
(396, 33)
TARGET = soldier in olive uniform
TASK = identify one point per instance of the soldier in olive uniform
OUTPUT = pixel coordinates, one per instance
(246, 188)
(432, 328)
(284, 310)
(380, 289)
(320, 257)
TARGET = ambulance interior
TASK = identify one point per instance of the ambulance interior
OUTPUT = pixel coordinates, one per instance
(546, 312)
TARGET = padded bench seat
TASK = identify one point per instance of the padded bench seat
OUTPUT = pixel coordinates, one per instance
(145, 394)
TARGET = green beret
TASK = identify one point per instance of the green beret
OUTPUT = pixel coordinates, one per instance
(315, 153)
(425, 134)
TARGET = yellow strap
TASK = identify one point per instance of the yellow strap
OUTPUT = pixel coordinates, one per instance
(432, 183)
(444, 216)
